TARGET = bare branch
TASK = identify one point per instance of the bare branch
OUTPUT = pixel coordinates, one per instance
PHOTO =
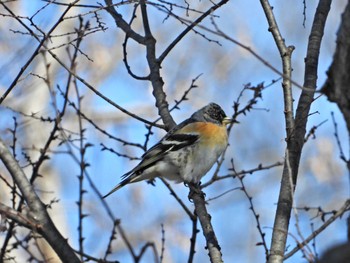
(285, 53)
(337, 83)
(296, 129)
(177, 198)
(122, 24)
(36, 52)
(19, 218)
(204, 218)
(315, 233)
(189, 28)
(256, 216)
(260, 167)
(37, 208)
(193, 239)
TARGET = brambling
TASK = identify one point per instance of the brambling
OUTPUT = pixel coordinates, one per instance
(187, 152)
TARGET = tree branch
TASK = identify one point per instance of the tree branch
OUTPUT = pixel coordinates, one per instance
(315, 233)
(296, 130)
(154, 66)
(336, 87)
(36, 52)
(37, 210)
(155, 77)
(204, 218)
(281, 223)
(122, 24)
(189, 28)
(16, 216)
(286, 54)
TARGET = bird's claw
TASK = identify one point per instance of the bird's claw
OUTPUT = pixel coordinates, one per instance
(194, 190)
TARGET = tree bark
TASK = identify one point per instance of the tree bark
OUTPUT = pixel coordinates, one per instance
(337, 85)
(37, 210)
(295, 141)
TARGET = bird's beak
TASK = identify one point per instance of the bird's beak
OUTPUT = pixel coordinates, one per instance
(226, 120)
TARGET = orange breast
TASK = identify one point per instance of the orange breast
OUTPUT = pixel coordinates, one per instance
(211, 133)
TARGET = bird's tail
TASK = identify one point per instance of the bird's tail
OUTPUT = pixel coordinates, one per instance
(117, 187)
(128, 178)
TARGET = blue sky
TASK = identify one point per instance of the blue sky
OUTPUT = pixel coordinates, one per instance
(225, 69)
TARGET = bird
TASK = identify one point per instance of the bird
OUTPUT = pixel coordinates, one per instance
(187, 152)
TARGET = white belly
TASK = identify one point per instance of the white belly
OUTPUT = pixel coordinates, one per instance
(190, 164)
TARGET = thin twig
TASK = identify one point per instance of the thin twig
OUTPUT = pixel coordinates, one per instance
(178, 199)
(338, 214)
(189, 28)
(37, 50)
(193, 239)
(255, 213)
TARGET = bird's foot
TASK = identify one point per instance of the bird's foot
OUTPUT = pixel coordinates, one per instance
(152, 181)
(195, 189)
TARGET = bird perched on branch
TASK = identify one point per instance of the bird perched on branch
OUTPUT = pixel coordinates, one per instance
(187, 152)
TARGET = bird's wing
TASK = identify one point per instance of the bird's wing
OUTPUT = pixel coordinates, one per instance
(174, 140)
(169, 143)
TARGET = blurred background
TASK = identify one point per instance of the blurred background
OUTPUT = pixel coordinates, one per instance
(223, 69)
